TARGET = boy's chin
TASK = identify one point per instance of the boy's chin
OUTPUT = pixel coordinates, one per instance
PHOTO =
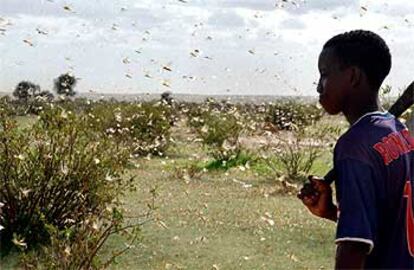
(329, 109)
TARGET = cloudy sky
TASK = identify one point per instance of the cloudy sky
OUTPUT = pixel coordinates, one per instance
(261, 47)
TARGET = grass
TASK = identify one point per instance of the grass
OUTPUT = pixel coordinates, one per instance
(221, 221)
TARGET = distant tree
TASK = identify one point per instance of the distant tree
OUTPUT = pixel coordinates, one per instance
(25, 89)
(167, 97)
(64, 85)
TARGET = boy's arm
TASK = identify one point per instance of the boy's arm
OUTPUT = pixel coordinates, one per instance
(351, 255)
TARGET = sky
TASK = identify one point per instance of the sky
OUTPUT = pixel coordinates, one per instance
(208, 47)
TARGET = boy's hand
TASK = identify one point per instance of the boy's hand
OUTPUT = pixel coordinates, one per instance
(317, 197)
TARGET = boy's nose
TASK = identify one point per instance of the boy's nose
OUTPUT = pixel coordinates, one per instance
(319, 88)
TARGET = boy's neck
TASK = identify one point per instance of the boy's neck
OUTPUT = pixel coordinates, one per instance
(361, 107)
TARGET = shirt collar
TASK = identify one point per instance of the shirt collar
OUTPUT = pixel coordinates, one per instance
(384, 113)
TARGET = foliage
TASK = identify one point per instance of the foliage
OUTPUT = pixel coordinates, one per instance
(241, 159)
(26, 89)
(64, 85)
(29, 98)
(77, 247)
(143, 127)
(6, 107)
(46, 96)
(296, 153)
(54, 177)
(78, 105)
(290, 114)
(167, 98)
(218, 130)
(185, 205)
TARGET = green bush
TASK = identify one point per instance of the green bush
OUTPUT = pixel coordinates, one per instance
(143, 127)
(6, 107)
(218, 130)
(241, 159)
(54, 176)
(290, 114)
(76, 105)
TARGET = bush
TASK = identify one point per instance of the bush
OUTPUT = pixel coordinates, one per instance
(6, 107)
(77, 247)
(241, 159)
(143, 127)
(218, 130)
(289, 115)
(54, 177)
(296, 152)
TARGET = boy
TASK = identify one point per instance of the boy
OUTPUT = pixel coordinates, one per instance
(373, 160)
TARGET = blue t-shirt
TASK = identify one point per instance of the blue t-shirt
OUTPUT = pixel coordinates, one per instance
(374, 164)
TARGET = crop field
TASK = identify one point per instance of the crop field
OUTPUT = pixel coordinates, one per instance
(191, 198)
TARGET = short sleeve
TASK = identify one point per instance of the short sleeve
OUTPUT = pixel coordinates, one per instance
(357, 209)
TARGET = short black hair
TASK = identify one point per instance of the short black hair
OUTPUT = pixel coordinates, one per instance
(364, 49)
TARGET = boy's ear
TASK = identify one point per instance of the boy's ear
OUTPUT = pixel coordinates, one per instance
(355, 76)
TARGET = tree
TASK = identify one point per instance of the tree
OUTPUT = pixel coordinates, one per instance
(25, 89)
(167, 98)
(64, 85)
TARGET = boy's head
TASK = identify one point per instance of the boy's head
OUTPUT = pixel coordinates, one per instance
(351, 64)
(363, 49)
